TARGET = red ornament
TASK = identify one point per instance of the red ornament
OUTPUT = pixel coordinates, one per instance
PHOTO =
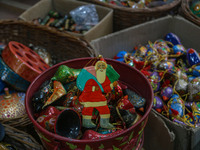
(159, 110)
(117, 93)
(124, 103)
(76, 104)
(23, 61)
(47, 121)
(138, 64)
(50, 110)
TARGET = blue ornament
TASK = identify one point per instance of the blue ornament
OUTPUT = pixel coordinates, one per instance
(150, 52)
(171, 37)
(179, 49)
(176, 105)
(194, 71)
(120, 56)
(135, 99)
(9, 76)
(192, 57)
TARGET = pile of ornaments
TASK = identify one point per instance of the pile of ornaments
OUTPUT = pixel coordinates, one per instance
(58, 100)
(137, 3)
(79, 20)
(174, 73)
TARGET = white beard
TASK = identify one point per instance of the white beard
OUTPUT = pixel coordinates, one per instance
(101, 75)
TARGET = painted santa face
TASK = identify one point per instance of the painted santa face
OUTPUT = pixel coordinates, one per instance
(101, 66)
(101, 71)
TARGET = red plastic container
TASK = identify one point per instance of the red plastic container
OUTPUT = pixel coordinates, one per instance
(131, 138)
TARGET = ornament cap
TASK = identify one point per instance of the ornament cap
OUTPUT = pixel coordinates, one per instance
(7, 94)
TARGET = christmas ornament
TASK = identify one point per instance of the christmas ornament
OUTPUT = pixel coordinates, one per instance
(93, 81)
(12, 105)
(23, 61)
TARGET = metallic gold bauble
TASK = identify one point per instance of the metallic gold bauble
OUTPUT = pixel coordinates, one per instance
(12, 105)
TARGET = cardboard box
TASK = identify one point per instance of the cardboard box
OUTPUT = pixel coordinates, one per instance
(157, 135)
(41, 9)
(186, 138)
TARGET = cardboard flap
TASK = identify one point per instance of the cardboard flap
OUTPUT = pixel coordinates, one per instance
(157, 136)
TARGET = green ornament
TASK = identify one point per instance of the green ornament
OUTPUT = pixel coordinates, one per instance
(65, 74)
(112, 74)
(195, 8)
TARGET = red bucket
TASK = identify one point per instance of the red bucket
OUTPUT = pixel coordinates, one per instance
(131, 138)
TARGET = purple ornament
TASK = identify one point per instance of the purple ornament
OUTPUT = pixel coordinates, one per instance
(166, 93)
(157, 103)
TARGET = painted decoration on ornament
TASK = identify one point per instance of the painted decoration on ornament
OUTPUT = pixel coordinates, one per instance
(195, 8)
(93, 81)
(58, 92)
(12, 105)
(176, 106)
(179, 49)
(157, 103)
(65, 74)
(192, 57)
(9, 76)
(23, 61)
(173, 38)
(135, 99)
(166, 93)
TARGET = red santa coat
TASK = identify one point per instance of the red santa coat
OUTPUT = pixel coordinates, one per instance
(95, 99)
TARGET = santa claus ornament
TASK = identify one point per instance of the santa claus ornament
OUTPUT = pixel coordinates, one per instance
(94, 81)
